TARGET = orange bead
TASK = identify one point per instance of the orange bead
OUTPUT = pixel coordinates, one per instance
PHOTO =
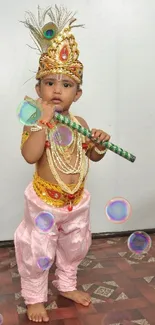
(47, 144)
(42, 122)
(70, 208)
(84, 146)
(71, 197)
(49, 125)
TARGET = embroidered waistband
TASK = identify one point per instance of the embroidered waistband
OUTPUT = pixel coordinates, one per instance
(52, 194)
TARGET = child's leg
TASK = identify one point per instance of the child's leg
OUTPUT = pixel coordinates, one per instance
(34, 281)
(73, 244)
(31, 244)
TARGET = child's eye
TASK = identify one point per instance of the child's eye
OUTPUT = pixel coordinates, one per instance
(49, 83)
(66, 85)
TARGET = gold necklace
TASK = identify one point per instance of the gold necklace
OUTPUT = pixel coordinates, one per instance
(66, 151)
(64, 187)
(62, 163)
(56, 162)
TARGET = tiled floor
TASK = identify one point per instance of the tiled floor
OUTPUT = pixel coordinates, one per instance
(122, 286)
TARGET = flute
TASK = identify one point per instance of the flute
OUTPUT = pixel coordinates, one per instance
(65, 120)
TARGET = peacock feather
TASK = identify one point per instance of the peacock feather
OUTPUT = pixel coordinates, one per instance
(43, 33)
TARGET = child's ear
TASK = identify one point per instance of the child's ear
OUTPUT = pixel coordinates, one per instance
(37, 87)
(78, 95)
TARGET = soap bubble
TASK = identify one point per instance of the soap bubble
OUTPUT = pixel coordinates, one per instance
(118, 210)
(28, 114)
(139, 242)
(62, 135)
(1, 319)
(44, 221)
(44, 263)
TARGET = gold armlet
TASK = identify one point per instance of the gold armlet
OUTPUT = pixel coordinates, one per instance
(25, 136)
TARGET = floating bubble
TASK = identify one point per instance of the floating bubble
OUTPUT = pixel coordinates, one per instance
(118, 210)
(28, 114)
(44, 263)
(62, 136)
(1, 319)
(44, 221)
(139, 242)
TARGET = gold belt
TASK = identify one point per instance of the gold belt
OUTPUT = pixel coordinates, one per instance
(52, 194)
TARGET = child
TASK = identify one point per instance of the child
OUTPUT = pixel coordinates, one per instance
(57, 188)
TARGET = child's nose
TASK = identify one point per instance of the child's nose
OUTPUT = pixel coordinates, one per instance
(57, 88)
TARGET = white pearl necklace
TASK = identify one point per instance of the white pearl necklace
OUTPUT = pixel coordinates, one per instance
(55, 161)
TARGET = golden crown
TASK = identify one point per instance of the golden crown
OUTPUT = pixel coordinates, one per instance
(56, 43)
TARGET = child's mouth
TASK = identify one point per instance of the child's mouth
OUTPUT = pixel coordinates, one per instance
(56, 100)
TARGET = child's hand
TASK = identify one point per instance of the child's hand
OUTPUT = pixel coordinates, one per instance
(101, 136)
(48, 110)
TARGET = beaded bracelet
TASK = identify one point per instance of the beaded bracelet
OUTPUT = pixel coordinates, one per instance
(48, 124)
(100, 152)
(36, 128)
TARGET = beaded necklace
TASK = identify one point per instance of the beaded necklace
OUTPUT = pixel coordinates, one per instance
(59, 158)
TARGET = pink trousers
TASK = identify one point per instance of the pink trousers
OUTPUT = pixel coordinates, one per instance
(67, 242)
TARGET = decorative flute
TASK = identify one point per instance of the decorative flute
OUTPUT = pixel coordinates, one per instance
(65, 120)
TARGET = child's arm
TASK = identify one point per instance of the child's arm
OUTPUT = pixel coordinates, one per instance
(33, 144)
(91, 153)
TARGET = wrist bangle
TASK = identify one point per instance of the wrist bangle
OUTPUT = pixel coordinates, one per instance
(37, 128)
(100, 152)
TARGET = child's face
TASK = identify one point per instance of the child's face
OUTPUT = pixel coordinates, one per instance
(59, 90)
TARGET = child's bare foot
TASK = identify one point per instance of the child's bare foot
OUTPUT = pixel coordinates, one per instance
(37, 313)
(77, 296)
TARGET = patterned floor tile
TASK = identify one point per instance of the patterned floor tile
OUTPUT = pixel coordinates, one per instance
(121, 285)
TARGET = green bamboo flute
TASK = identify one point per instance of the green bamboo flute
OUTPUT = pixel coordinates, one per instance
(108, 145)
(65, 120)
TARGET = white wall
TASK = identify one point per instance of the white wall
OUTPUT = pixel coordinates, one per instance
(118, 51)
